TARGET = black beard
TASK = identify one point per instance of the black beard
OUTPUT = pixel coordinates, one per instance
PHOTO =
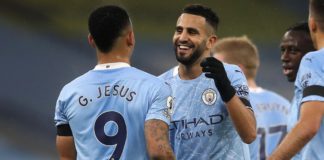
(193, 58)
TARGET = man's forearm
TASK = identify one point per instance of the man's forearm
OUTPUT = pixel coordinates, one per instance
(293, 142)
(309, 123)
(157, 139)
(243, 119)
(66, 148)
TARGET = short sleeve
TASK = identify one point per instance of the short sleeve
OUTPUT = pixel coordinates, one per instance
(162, 104)
(311, 79)
(239, 82)
(60, 116)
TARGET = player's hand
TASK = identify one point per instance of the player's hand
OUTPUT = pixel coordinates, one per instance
(214, 69)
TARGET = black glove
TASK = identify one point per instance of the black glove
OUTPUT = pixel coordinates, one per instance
(214, 69)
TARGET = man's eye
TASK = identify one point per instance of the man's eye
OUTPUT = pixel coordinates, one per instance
(193, 32)
(293, 49)
(289, 49)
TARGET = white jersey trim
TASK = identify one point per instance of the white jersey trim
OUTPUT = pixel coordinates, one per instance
(107, 66)
(256, 90)
(175, 71)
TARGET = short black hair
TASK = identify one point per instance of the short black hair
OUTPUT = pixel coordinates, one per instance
(303, 28)
(206, 12)
(300, 26)
(316, 8)
(106, 24)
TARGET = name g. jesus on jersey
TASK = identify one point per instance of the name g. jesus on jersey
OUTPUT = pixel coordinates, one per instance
(108, 90)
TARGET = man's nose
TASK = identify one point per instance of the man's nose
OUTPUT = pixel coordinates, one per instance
(284, 55)
(184, 36)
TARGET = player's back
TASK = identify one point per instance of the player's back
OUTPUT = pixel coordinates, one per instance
(270, 110)
(106, 110)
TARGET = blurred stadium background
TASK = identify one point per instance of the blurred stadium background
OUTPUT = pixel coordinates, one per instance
(43, 46)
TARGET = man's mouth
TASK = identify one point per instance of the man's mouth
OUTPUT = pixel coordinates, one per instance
(184, 48)
(287, 70)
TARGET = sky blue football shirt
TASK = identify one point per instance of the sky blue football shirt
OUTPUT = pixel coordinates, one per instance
(201, 127)
(106, 109)
(311, 74)
(271, 111)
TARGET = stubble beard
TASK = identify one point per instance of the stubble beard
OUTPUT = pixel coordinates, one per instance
(190, 60)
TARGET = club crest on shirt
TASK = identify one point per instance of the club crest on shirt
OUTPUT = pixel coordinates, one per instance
(209, 97)
(169, 108)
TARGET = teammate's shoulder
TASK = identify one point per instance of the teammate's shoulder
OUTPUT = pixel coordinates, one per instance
(233, 71)
(313, 57)
(170, 73)
(145, 77)
(232, 68)
(74, 84)
(78, 80)
(276, 96)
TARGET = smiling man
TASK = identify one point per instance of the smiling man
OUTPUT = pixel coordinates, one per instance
(295, 43)
(212, 116)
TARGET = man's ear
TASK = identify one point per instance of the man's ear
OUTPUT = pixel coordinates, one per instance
(312, 24)
(219, 56)
(91, 41)
(130, 39)
(211, 41)
(242, 67)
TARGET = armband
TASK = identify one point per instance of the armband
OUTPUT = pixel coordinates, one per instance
(314, 90)
(64, 130)
(246, 103)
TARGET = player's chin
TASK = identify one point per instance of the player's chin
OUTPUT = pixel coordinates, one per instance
(184, 52)
(183, 55)
(291, 78)
(186, 60)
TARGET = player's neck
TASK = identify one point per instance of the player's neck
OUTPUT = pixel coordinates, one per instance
(320, 43)
(188, 72)
(121, 52)
(252, 83)
(112, 57)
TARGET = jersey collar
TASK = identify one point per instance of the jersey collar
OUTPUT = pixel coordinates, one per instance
(256, 90)
(107, 66)
(175, 71)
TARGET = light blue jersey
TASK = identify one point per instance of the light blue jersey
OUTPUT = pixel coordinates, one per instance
(292, 121)
(310, 74)
(293, 114)
(201, 128)
(270, 110)
(106, 110)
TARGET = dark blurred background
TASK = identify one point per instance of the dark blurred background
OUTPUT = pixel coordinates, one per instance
(43, 46)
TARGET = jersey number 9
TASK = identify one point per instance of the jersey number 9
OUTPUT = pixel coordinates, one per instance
(118, 139)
